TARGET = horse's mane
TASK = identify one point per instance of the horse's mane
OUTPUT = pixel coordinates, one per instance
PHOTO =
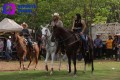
(20, 39)
(64, 30)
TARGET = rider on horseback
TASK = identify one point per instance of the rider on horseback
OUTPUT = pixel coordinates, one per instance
(79, 26)
(57, 22)
(25, 32)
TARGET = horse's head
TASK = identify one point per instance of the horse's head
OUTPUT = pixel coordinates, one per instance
(45, 32)
(15, 37)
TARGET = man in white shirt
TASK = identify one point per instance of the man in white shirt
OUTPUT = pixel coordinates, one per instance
(8, 48)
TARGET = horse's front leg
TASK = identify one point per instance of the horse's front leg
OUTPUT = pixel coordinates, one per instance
(52, 57)
(47, 56)
(92, 66)
(74, 62)
(24, 56)
(20, 65)
(29, 63)
(60, 59)
(85, 67)
(69, 62)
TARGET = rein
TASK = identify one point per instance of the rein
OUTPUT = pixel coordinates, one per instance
(48, 42)
(67, 39)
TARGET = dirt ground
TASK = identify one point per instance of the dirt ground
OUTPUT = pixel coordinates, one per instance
(14, 65)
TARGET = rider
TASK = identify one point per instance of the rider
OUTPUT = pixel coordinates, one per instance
(79, 26)
(57, 22)
(25, 32)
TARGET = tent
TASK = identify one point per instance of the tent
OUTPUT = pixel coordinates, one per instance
(8, 25)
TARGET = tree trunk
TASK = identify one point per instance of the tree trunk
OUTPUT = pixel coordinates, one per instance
(90, 18)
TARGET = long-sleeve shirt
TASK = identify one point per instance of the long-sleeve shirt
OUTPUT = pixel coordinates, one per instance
(25, 33)
(98, 43)
(9, 44)
(1, 46)
(59, 23)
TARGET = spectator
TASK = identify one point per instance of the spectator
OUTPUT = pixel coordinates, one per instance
(1, 45)
(115, 46)
(118, 52)
(8, 49)
(98, 47)
(109, 47)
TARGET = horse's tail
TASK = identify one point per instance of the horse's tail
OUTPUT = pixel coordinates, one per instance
(88, 56)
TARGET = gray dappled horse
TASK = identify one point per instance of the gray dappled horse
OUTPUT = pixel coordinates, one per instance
(50, 47)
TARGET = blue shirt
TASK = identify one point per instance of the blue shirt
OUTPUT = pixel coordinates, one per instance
(98, 42)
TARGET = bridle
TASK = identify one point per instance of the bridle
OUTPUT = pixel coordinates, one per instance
(46, 42)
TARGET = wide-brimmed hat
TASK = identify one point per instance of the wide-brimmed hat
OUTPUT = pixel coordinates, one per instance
(56, 14)
(98, 34)
(24, 24)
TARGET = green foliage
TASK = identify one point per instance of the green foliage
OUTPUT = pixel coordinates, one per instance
(93, 11)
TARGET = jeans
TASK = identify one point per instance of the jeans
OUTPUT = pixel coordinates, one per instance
(29, 42)
(84, 40)
(7, 54)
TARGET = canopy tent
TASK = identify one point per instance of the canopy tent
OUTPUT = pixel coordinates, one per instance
(8, 25)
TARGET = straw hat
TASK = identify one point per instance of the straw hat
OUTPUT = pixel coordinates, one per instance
(25, 25)
(56, 14)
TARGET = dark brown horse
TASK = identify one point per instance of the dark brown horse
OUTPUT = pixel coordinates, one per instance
(23, 51)
(71, 44)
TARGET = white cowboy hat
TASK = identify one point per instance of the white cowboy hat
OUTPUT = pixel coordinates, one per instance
(24, 24)
(55, 14)
(9, 37)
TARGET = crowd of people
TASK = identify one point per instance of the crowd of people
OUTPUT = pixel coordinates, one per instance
(109, 49)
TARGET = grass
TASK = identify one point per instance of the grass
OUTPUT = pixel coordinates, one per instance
(103, 71)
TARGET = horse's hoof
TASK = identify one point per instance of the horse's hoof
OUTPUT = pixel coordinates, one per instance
(46, 67)
(27, 68)
(51, 72)
(70, 74)
(20, 69)
(59, 69)
(75, 75)
(84, 72)
(92, 73)
(35, 69)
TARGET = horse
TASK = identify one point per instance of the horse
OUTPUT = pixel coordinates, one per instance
(50, 46)
(72, 45)
(24, 51)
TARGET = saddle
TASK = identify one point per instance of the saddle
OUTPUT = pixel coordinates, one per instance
(27, 43)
